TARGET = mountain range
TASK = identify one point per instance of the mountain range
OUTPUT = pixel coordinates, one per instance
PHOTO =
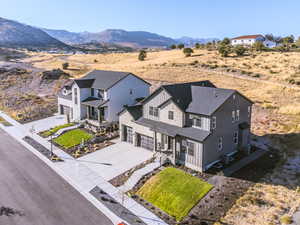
(15, 34)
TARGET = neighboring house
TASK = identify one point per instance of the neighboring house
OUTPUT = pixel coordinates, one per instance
(100, 95)
(251, 39)
(195, 124)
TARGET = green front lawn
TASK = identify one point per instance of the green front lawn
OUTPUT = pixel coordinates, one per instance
(72, 138)
(174, 191)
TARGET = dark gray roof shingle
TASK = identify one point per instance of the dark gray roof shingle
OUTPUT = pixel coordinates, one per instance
(189, 132)
(95, 102)
(207, 100)
(135, 111)
(102, 79)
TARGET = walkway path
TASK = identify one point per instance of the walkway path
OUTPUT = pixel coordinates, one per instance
(137, 175)
(60, 131)
(80, 176)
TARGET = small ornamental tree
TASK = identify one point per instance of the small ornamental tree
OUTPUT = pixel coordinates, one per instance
(239, 50)
(65, 66)
(197, 45)
(142, 55)
(258, 46)
(187, 52)
(173, 46)
(180, 46)
(224, 50)
(226, 41)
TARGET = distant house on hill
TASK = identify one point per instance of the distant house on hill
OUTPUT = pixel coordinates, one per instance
(251, 39)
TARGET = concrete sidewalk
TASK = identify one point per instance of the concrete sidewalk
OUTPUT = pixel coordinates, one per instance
(80, 176)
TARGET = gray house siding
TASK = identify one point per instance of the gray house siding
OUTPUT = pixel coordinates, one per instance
(155, 101)
(225, 129)
(205, 121)
(178, 118)
(193, 162)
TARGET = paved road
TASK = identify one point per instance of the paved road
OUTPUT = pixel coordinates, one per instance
(30, 186)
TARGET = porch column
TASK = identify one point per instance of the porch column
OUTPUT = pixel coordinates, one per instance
(99, 118)
(88, 112)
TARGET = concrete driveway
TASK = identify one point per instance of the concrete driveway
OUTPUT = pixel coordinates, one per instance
(47, 123)
(122, 156)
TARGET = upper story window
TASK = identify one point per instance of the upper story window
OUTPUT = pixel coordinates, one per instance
(130, 91)
(92, 91)
(171, 115)
(237, 115)
(191, 148)
(75, 96)
(220, 143)
(196, 121)
(233, 116)
(235, 137)
(100, 94)
(153, 111)
(214, 122)
(249, 111)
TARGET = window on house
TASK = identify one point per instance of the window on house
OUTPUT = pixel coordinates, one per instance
(220, 144)
(214, 122)
(197, 122)
(153, 111)
(100, 94)
(249, 111)
(130, 91)
(92, 91)
(233, 116)
(75, 96)
(191, 148)
(171, 115)
(235, 137)
(237, 115)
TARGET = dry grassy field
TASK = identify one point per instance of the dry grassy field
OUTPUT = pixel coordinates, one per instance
(276, 114)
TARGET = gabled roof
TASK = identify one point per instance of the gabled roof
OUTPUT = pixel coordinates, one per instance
(206, 100)
(248, 37)
(196, 97)
(102, 79)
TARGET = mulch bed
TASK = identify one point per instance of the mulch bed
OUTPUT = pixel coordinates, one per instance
(122, 178)
(78, 152)
(116, 207)
(42, 149)
(93, 145)
(224, 194)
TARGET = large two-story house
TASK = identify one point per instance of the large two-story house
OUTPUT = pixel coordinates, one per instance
(100, 95)
(195, 124)
(248, 40)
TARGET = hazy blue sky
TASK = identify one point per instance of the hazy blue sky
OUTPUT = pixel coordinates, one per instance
(174, 18)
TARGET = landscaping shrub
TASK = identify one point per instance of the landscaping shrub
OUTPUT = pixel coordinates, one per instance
(286, 219)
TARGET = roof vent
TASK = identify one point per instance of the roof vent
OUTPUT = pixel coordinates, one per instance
(215, 93)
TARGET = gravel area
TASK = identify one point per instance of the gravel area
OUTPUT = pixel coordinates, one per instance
(42, 149)
(115, 207)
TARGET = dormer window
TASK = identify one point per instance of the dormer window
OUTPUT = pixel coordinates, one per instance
(100, 94)
(153, 111)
